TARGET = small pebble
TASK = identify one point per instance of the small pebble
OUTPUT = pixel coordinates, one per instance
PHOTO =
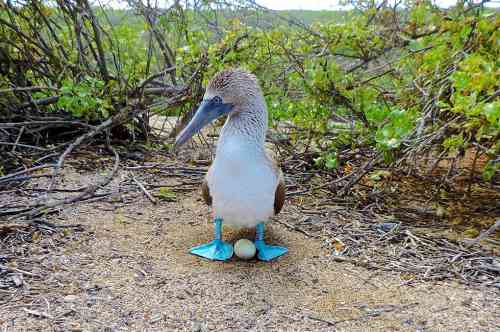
(70, 298)
(17, 279)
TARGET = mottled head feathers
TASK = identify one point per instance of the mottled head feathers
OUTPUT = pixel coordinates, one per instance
(235, 86)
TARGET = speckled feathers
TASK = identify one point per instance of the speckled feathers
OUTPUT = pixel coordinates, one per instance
(235, 85)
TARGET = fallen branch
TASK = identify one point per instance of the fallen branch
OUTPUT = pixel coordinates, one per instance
(117, 119)
(32, 213)
(483, 235)
(13, 269)
(367, 167)
(28, 170)
(148, 195)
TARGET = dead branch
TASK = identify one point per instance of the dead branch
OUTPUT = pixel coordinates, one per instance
(148, 195)
(367, 167)
(88, 191)
(121, 117)
(484, 234)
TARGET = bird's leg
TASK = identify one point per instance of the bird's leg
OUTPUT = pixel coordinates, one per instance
(216, 250)
(264, 251)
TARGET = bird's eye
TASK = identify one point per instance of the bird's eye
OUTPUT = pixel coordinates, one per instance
(217, 100)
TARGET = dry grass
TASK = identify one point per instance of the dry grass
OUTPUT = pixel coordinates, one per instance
(129, 270)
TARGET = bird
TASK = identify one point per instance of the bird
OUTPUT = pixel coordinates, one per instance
(243, 185)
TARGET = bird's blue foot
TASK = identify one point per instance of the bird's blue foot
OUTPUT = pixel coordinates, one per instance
(266, 252)
(216, 250)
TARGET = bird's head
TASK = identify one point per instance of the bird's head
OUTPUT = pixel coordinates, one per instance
(228, 92)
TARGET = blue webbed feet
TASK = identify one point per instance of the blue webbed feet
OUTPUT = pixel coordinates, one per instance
(266, 252)
(216, 250)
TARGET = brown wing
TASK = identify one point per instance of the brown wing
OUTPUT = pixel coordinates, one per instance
(205, 190)
(279, 196)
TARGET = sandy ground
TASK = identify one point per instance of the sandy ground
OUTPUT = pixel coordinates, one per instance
(130, 271)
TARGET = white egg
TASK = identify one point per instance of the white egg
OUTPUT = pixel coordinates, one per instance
(244, 249)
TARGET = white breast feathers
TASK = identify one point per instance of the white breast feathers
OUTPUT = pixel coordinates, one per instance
(242, 183)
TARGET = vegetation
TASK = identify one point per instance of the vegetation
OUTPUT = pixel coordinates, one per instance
(386, 119)
(393, 83)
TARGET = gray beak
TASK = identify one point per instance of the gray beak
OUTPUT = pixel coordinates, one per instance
(208, 111)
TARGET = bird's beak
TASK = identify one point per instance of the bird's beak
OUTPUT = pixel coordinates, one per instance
(205, 114)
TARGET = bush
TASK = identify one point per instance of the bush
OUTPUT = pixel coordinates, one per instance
(402, 81)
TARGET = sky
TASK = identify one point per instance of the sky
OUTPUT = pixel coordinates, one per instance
(332, 4)
(300, 4)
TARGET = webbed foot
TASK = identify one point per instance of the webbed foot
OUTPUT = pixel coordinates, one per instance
(266, 252)
(217, 250)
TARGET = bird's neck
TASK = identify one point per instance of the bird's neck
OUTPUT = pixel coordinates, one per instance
(248, 123)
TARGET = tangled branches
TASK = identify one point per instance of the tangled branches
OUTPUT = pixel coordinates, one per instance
(65, 81)
(397, 84)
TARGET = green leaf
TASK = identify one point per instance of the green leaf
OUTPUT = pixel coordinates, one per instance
(492, 112)
(490, 169)
(454, 142)
(379, 175)
(331, 162)
(165, 193)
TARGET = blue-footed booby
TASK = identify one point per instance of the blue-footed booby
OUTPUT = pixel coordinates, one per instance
(244, 185)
